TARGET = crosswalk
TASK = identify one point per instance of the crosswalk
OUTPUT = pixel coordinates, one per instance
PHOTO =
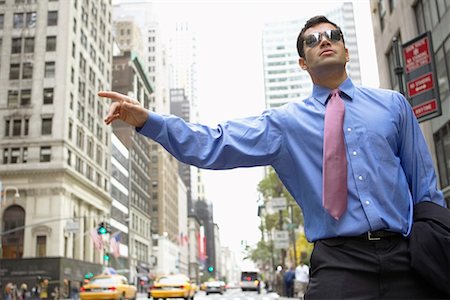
(236, 295)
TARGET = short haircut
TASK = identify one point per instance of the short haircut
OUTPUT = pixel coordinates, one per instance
(310, 23)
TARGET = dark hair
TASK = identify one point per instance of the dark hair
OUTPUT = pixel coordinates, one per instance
(310, 23)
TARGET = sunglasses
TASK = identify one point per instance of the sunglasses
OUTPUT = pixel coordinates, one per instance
(313, 39)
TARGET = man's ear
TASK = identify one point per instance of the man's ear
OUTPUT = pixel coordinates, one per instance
(347, 57)
(302, 63)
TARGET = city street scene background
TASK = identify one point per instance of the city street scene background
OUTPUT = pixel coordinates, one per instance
(80, 198)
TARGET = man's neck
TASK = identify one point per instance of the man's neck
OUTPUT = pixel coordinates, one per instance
(329, 78)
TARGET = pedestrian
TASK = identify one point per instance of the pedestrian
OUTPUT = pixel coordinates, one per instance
(9, 291)
(289, 278)
(354, 158)
(301, 279)
(23, 291)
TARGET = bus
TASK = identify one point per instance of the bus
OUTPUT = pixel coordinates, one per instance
(250, 281)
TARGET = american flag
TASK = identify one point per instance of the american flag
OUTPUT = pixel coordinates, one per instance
(114, 244)
(97, 239)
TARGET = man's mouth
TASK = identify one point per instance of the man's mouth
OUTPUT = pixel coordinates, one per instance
(326, 52)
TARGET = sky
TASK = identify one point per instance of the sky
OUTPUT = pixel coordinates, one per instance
(230, 85)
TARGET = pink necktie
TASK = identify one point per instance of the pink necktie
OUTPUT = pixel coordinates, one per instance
(334, 188)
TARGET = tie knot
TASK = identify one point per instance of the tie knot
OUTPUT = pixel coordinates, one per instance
(334, 92)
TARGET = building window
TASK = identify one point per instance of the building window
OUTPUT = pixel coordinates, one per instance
(13, 98)
(382, 13)
(25, 97)
(69, 157)
(29, 45)
(27, 72)
(45, 154)
(14, 71)
(2, 20)
(49, 69)
(442, 144)
(51, 43)
(48, 96)
(52, 18)
(16, 45)
(17, 127)
(7, 124)
(41, 246)
(69, 135)
(46, 127)
(18, 20)
(31, 19)
(441, 74)
(15, 155)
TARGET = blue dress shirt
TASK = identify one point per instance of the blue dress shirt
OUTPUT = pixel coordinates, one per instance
(389, 165)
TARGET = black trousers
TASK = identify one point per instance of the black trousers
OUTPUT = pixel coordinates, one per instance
(352, 268)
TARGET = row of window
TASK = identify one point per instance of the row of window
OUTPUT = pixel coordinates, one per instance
(26, 44)
(18, 155)
(24, 70)
(20, 127)
(23, 97)
(28, 20)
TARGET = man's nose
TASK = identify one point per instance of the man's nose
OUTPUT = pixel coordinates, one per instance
(324, 40)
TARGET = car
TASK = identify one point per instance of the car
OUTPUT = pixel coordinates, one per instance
(108, 287)
(215, 287)
(172, 286)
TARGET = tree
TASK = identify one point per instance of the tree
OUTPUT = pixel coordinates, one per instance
(271, 187)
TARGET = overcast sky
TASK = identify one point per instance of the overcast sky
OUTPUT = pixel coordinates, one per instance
(230, 85)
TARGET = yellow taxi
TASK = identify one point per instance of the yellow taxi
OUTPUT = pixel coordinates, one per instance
(105, 287)
(172, 286)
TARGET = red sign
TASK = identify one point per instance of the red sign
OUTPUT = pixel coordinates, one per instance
(421, 84)
(425, 108)
(417, 55)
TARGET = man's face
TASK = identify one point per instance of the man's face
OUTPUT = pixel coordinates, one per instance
(325, 53)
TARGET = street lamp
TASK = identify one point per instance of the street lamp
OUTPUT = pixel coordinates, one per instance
(5, 191)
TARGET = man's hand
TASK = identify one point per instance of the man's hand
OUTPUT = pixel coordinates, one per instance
(124, 108)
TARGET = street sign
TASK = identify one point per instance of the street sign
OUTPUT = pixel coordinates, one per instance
(278, 203)
(281, 239)
(420, 77)
(72, 226)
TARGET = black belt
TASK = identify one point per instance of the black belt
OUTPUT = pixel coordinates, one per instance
(377, 235)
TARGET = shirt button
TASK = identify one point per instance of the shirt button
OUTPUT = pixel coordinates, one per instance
(354, 153)
(360, 177)
(367, 202)
(349, 129)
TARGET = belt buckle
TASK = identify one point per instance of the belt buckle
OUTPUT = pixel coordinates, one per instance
(372, 238)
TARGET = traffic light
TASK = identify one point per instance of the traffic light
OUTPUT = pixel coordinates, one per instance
(88, 275)
(103, 228)
(210, 269)
(106, 257)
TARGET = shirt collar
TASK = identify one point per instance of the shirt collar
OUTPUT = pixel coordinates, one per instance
(321, 93)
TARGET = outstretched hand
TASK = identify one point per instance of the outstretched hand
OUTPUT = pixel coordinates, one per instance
(124, 108)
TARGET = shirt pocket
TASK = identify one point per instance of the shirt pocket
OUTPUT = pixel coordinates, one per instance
(379, 146)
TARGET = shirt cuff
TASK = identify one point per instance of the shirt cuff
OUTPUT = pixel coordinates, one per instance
(152, 126)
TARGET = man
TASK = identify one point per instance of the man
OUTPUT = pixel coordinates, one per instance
(376, 165)
(301, 279)
(289, 278)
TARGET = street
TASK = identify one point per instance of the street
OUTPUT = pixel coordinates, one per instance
(233, 294)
